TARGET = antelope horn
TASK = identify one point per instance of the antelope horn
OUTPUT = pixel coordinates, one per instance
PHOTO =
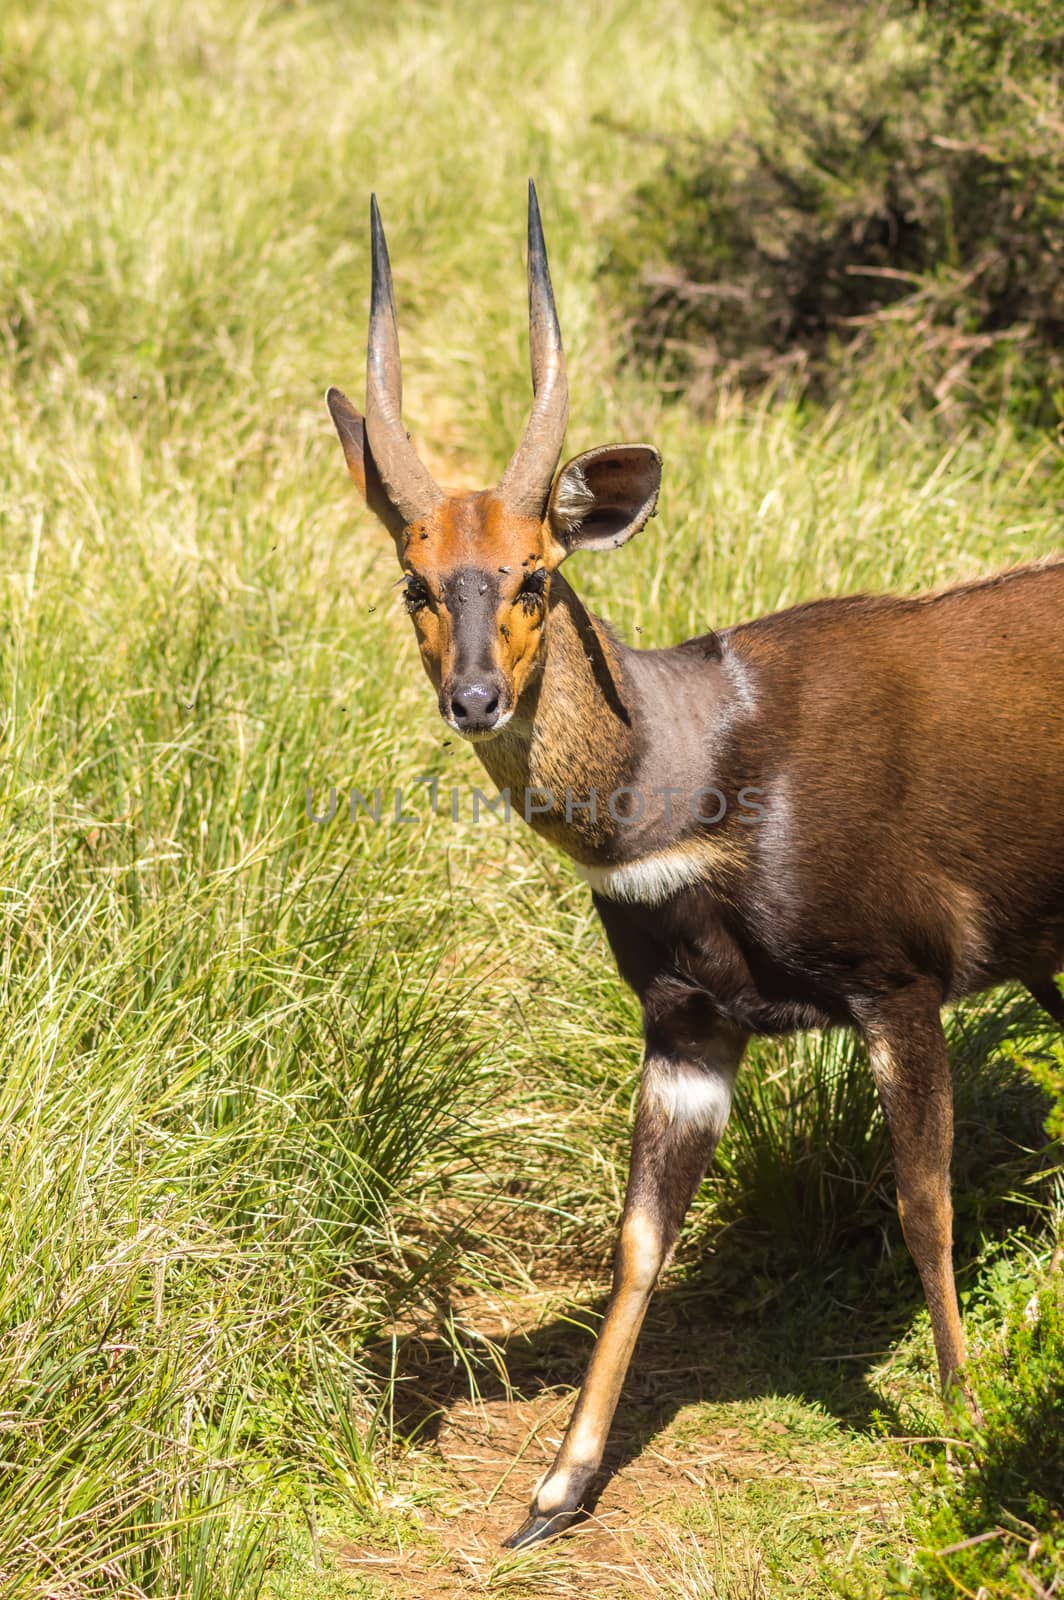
(525, 484)
(408, 485)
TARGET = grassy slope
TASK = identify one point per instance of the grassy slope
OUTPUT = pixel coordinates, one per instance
(256, 1069)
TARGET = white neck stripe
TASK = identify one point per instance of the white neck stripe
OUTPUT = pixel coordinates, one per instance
(653, 879)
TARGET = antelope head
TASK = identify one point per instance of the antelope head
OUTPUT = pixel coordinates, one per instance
(478, 565)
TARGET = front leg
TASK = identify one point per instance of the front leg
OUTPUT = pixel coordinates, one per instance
(689, 1068)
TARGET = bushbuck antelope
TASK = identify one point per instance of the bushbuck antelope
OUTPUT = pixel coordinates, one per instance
(847, 813)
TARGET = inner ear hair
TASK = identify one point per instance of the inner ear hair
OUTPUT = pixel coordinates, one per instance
(604, 496)
(573, 498)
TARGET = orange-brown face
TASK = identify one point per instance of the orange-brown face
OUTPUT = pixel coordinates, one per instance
(478, 565)
(478, 570)
(477, 587)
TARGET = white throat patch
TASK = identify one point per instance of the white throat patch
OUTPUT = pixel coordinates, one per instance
(651, 880)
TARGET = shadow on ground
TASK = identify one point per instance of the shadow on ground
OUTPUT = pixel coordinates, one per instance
(693, 1348)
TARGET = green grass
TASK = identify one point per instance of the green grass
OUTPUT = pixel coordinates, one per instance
(275, 1095)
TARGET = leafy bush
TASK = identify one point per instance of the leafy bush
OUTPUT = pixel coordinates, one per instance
(993, 1523)
(905, 189)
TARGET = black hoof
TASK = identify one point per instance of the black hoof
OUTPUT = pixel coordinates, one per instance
(538, 1528)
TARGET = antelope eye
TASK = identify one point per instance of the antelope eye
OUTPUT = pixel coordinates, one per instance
(415, 595)
(532, 591)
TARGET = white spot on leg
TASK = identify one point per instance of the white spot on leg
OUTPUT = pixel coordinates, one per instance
(553, 1492)
(641, 1252)
(694, 1095)
(883, 1061)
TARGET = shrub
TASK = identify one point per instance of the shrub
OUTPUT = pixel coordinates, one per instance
(994, 1523)
(905, 190)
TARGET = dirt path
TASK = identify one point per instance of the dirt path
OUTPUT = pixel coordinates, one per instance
(709, 1495)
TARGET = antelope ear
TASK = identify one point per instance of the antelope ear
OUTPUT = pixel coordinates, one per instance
(351, 427)
(603, 497)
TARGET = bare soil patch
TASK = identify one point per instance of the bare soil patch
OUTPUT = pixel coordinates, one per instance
(670, 1504)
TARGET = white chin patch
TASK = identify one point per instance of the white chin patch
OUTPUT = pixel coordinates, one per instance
(479, 735)
(699, 1097)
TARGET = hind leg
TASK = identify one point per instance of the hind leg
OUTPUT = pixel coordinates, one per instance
(1049, 998)
(912, 1073)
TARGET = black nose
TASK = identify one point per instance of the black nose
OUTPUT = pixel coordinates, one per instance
(476, 707)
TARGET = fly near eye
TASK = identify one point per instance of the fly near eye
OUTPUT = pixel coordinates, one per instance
(533, 589)
(415, 595)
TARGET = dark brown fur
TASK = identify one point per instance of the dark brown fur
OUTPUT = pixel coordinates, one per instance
(914, 808)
